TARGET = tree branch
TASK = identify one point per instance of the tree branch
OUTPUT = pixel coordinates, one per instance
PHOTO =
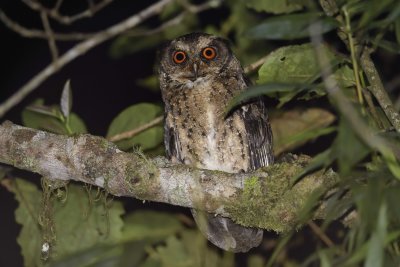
(79, 50)
(265, 198)
(55, 14)
(377, 89)
(34, 33)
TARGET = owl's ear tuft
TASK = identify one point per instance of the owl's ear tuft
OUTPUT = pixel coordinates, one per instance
(160, 52)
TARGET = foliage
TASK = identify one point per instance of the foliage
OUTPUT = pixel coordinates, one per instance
(307, 115)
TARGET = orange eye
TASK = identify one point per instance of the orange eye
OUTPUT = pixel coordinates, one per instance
(209, 53)
(179, 57)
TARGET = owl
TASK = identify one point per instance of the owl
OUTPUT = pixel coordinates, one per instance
(199, 75)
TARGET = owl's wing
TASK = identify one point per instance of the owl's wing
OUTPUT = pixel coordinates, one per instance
(171, 142)
(259, 133)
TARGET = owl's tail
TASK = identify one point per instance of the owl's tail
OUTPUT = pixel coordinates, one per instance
(226, 234)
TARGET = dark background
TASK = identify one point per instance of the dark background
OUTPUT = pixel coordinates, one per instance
(102, 86)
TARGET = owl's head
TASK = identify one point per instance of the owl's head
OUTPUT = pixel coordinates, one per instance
(194, 57)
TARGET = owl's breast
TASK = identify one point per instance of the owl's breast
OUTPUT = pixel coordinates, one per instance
(203, 137)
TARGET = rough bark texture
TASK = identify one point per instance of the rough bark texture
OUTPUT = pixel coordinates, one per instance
(265, 198)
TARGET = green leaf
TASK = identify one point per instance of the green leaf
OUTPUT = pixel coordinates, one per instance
(78, 226)
(150, 225)
(133, 117)
(296, 66)
(255, 261)
(295, 127)
(98, 255)
(344, 76)
(388, 46)
(189, 250)
(275, 6)
(263, 89)
(375, 255)
(66, 99)
(348, 147)
(29, 239)
(36, 117)
(150, 82)
(289, 27)
(76, 124)
(33, 118)
(361, 252)
(373, 9)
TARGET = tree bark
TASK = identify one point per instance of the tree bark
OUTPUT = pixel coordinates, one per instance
(265, 198)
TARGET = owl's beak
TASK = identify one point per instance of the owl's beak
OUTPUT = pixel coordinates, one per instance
(195, 70)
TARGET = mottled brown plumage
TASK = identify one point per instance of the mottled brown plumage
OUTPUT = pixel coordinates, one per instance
(197, 86)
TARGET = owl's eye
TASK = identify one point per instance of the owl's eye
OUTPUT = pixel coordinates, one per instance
(179, 57)
(209, 53)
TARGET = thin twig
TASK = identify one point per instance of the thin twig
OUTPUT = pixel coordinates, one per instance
(54, 13)
(79, 50)
(253, 66)
(34, 33)
(354, 60)
(85, 46)
(50, 36)
(137, 130)
(57, 6)
(345, 107)
(377, 89)
(317, 230)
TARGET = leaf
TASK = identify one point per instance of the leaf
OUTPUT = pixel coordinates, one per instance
(344, 77)
(78, 225)
(293, 65)
(133, 117)
(76, 124)
(189, 250)
(29, 239)
(289, 27)
(141, 230)
(361, 252)
(348, 147)
(44, 110)
(66, 99)
(33, 118)
(373, 9)
(150, 82)
(47, 118)
(388, 46)
(263, 89)
(375, 255)
(275, 6)
(150, 225)
(255, 261)
(293, 128)
(98, 255)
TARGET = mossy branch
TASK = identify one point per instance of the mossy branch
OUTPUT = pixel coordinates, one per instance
(265, 198)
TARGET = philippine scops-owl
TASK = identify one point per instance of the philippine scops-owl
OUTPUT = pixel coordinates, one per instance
(199, 75)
